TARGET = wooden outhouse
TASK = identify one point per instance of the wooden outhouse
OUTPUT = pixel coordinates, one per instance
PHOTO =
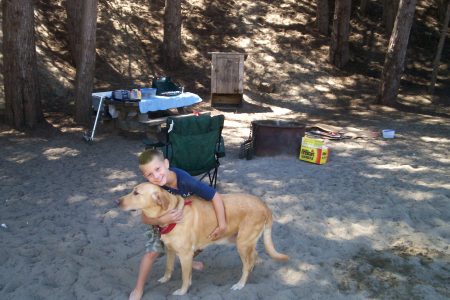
(227, 78)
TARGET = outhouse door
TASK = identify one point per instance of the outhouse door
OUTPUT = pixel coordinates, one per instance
(226, 71)
(227, 76)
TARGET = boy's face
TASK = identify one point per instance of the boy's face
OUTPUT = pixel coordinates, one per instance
(156, 171)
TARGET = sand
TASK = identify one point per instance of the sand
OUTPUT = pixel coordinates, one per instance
(372, 223)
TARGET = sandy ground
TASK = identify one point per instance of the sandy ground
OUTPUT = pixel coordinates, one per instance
(373, 223)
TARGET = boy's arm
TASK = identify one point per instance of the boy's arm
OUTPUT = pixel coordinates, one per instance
(150, 221)
(172, 216)
(220, 214)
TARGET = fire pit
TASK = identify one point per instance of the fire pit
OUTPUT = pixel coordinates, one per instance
(274, 137)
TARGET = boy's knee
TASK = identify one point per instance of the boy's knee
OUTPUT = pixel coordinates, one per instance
(151, 255)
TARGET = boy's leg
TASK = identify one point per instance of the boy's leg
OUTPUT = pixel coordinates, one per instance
(144, 269)
(153, 248)
(197, 265)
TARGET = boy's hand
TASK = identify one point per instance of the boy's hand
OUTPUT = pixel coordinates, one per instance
(172, 216)
(218, 232)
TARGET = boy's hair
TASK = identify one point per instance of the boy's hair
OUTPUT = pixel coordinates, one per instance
(150, 154)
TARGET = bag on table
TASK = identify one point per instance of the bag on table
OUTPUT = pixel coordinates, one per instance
(121, 95)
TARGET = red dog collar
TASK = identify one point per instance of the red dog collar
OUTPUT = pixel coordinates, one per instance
(170, 227)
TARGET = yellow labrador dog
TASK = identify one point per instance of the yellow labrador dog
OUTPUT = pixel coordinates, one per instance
(247, 218)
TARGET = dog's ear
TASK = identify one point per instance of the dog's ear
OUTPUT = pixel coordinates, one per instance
(161, 199)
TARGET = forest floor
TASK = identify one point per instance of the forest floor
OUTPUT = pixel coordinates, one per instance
(372, 223)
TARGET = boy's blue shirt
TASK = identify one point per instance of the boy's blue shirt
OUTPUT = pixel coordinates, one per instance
(188, 185)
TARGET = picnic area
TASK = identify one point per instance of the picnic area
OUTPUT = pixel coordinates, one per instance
(372, 222)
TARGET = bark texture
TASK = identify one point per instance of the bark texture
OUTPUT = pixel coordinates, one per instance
(172, 34)
(322, 16)
(339, 49)
(363, 7)
(84, 79)
(390, 8)
(395, 56)
(22, 96)
(441, 8)
(74, 11)
(437, 57)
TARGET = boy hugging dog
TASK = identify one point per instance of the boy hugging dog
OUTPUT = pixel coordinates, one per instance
(163, 205)
(156, 170)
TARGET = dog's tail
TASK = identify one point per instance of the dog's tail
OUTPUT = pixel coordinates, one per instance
(268, 243)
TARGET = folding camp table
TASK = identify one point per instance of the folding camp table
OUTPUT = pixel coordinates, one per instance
(143, 106)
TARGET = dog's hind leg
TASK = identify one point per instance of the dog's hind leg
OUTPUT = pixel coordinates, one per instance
(186, 273)
(248, 256)
(246, 246)
(170, 261)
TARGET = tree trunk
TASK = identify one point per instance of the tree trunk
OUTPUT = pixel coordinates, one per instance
(74, 11)
(363, 7)
(84, 78)
(390, 8)
(441, 9)
(22, 96)
(172, 34)
(322, 16)
(437, 58)
(339, 49)
(395, 56)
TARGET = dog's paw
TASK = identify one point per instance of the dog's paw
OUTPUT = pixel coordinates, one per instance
(179, 292)
(135, 295)
(164, 279)
(238, 286)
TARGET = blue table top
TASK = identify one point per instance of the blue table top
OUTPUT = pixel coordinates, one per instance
(155, 103)
(162, 102)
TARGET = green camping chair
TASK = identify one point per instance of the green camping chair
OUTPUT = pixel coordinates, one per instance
(195, 144)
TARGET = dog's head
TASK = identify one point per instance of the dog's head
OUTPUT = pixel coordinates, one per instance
(146, 196)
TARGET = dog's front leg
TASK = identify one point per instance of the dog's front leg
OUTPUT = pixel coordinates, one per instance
(170, 261)
(186, 271)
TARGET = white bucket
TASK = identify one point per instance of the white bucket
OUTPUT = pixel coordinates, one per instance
(388, 133)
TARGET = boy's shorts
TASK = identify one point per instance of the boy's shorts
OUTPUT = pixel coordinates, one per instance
(154, 243)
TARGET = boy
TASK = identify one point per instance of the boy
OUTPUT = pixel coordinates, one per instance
(155, 169)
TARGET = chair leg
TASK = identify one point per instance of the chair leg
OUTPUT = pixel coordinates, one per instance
(216, 169)
(212, 177)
